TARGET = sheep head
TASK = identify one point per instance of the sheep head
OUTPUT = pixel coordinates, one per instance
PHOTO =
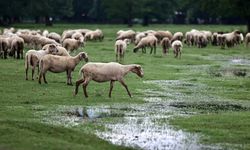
(52, 49)
(137, 69)
(84, 56)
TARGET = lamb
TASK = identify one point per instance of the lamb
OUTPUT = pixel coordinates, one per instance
(166, 44)
(33, 57)
(177, 46)
(150, 41)
(129, 34)
(104, 72)
(54, 36)
(94, 35)
(177, 36)
(58, 64)
(120, 48)
(72, 44)
(61, 50)
(247, 39)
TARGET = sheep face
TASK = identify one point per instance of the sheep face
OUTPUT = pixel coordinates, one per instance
(84, 56)
(138, 70)
(52, 49)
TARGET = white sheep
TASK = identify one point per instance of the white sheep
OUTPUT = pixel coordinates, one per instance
(17, 46)
(61, 50)
(4, 46)
(33, 57)
(104, 72)
(78, 36)
(72, 44)
(177, 46)
(120, 48)
(94, 35)
(166, 44)
(58, 64)
(139, 36)
(247, 39)
(177, 36)
(148, 41)
(161, 34)
(129, 34)
(55, 36)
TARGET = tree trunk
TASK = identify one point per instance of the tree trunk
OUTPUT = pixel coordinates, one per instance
(248, 25)
(48, 21)
(145, 20)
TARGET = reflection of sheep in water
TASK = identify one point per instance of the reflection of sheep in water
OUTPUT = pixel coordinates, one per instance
(104, 72)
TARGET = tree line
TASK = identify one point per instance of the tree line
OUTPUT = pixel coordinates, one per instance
(126, 11)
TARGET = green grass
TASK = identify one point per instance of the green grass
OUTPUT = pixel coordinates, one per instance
(21, 128)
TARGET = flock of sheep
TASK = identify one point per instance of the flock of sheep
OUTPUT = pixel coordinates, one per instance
(50, 51)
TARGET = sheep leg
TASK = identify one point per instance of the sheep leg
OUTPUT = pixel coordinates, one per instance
(111, 88)
(69, 78)
(151, 50)
(26, 73)
(84, 86)
(77, 85)
(33, 71)
(126, 87)
(44, 78)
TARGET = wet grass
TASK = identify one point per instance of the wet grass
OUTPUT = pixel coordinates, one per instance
(22, 101)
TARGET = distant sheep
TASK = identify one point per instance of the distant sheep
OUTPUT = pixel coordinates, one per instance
(177, 36)
(55, 36)
(17, 46)
(177, 46)
(129, 34)
(4, 45)
(166, 44)
(120, 48)
(72, 44)
(94, 35)
(148, 41)
(104, 72)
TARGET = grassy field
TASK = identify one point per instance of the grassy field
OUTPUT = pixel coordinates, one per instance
(221, 105)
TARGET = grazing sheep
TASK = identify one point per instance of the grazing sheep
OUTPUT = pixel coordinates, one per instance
(67, 34)
(247, 39)
(33, 57)
(104, 72)
(94, 35)
(230, 39)
(129, 34)
(58, 64)
(78, 36)
(161, 34)
(214, 39)
(17, 46)
(72, 44)
(166, 44)
(189, 38)
(54, 36)
(61, 50)
(177, 46)
(139, 36)
(148, 41)
(177, 36)
(120, 48)
(4, 45)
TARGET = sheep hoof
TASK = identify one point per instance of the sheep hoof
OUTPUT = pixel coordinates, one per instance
(70, 84)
